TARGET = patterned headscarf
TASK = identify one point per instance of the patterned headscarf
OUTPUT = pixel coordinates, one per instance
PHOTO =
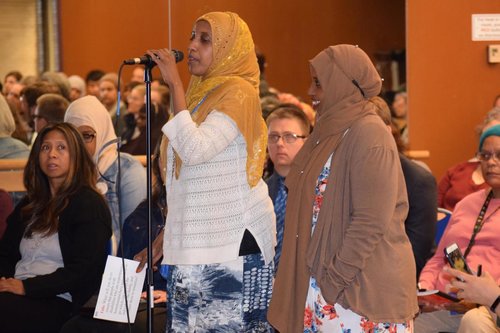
(231, 86)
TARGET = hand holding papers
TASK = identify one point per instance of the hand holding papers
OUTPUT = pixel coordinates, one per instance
(111, 300)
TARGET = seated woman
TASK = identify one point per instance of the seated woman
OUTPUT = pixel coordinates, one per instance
(135, 239)
(474, 227)
(123, 194)
(465, 177)
(53, 252)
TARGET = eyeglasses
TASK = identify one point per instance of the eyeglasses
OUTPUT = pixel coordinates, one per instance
(88, 137)
(485, 156)
(287, 138)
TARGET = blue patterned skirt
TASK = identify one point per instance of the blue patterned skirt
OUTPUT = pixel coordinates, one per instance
(226, 297)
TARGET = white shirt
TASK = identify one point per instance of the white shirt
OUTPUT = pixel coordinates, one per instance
(40, 256)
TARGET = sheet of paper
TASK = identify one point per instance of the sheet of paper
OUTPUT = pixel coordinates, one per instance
(111, 299)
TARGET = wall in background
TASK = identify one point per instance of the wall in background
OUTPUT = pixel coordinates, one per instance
(451, 86)
(101, 34)
(18, 37)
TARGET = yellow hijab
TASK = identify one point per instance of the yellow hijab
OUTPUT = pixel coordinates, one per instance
(231, 86)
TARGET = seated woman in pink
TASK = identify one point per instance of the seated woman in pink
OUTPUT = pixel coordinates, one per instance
(465, 177)
(475, 227)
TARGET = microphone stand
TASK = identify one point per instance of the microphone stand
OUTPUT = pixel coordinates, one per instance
(149, 269)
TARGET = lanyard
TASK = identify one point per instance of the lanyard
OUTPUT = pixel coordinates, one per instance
(479, 222)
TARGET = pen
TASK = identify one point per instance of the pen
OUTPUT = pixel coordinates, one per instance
(479, 269)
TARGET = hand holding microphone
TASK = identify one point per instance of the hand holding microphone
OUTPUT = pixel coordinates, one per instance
(166, 60)
(148, 60)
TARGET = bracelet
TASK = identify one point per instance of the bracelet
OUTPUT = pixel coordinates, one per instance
(495, 304)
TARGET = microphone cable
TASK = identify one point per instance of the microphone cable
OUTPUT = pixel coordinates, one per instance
(118, 195)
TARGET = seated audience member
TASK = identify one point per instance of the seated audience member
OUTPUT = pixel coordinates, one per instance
(465, 177)
(108, 92)
(482, 290)
(137, 74)
(29, 80)
(9, 80)
(420, 224)
(135, 239)
(136, 98)
(93, 121)
(288, 128)
(268, 103)
(60, 80)
(14, 95)
(92, 81)
(22, 128)
(135, 144)
(29, 96)
(6, 207)
(125, 91)
(310, 113)
(160, 95)
(399, 115)
(9, 146)
(50, 109)
(135, 101)
(474, 227)
(53, 252)
(78, 87)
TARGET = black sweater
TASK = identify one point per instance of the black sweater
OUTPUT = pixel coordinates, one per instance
(84, 233)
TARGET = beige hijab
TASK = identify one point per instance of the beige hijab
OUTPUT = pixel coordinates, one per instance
(231, 86)
(88, 111)
(343, 104)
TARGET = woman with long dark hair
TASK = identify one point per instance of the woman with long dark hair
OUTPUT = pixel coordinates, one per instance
(53, 252)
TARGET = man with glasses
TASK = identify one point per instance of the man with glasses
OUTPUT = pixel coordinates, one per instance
(288, 128)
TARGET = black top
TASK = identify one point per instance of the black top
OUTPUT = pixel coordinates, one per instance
(420, 224)
(84, 233)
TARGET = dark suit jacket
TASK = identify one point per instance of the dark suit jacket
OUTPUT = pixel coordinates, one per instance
(84, 233)
(272, 185)
(420, 225)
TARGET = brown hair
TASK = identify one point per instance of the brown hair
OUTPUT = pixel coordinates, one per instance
(43, 209)
(379, 105)
(381, 108)
(52, 107)
(290, 111)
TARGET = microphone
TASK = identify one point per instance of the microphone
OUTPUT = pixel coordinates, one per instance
(146, 59)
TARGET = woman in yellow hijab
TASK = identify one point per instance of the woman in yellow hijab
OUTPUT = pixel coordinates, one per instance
(220, 227)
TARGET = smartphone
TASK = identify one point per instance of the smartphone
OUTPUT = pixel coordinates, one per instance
(456, 258)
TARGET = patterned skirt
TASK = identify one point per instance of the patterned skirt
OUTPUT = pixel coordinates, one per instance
(319, 316)
(226, 297)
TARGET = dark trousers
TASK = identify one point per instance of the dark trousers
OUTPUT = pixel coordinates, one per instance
(25, 314)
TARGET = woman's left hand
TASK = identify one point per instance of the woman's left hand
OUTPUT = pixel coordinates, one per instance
(11, 285)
